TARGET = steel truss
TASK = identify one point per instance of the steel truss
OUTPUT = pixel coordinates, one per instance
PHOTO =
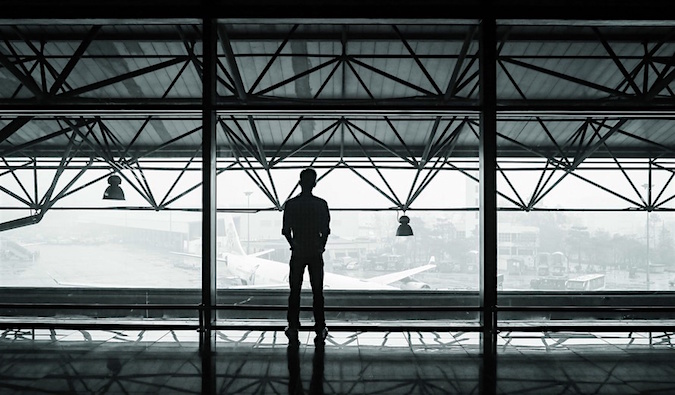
(41, 78)
(590, 147)
(93, 149)
(66, 69)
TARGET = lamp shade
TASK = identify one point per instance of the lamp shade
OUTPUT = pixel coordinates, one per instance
(114, 192)
(404, 228)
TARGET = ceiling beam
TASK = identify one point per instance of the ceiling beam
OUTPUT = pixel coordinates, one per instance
(25, 80)
(241, 32)
(14, 125)
(429, 10)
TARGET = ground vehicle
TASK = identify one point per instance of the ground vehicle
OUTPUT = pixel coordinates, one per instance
(587, 282)
(388, 262)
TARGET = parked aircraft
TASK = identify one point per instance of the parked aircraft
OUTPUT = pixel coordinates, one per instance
(252, 271)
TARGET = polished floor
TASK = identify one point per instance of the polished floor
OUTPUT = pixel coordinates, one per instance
(263, 362)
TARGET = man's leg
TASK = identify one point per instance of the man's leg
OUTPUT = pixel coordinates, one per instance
(316, 279)
(297, 269)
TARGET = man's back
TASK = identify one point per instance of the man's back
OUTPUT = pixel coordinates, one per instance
(306, 218)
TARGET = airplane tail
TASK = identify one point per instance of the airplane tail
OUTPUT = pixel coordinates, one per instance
(229, 242)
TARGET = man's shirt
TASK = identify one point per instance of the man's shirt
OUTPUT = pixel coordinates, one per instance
(307, 221)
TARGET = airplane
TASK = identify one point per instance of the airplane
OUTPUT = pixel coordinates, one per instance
(252, 271)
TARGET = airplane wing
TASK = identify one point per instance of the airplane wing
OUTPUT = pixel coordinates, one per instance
(260, 253)
(195, 256)
(93, 284)
(393, 277)
(254, 255)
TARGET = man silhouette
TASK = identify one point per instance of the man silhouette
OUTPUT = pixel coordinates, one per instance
(306, 227)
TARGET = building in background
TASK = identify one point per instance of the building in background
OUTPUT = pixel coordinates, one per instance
(517, 248)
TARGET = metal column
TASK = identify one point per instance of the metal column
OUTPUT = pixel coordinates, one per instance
(488, 186)
(207, 340)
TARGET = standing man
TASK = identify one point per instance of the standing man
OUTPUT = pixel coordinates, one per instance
(306, 227)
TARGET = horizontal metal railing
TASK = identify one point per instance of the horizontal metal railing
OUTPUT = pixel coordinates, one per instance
(379, 308)
(104, 306)
(651, 311)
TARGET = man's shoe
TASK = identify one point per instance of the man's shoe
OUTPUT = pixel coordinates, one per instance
(322, 334)
(291, 333)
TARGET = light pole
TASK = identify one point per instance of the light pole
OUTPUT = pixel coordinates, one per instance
(648, 187)
(648, 264)
(248, 222)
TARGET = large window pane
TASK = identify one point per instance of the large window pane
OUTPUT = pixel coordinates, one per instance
(366, 264)
(71, 236)
(589, 225)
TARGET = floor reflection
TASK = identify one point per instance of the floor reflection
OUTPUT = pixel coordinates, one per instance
(295, 384)
(263, 362)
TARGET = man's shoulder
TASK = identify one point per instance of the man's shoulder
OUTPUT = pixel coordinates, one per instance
(303, 199)
(292, 202)
(318, 201)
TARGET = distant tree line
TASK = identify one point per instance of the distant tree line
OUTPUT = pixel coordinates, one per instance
(443, 239)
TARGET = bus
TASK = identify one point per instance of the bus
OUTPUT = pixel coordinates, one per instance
(587, 282)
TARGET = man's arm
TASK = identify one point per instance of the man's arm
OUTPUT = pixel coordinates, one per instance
(286, 228)
(325, 225)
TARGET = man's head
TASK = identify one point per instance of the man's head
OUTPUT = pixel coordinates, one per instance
(307, 179)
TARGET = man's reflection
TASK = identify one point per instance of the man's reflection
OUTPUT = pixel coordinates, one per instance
(294, 379)
(294, 375)
(316, 385)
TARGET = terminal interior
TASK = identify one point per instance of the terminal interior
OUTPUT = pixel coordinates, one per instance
(148, 152)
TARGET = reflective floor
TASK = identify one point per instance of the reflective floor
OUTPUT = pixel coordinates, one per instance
(255, 362)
